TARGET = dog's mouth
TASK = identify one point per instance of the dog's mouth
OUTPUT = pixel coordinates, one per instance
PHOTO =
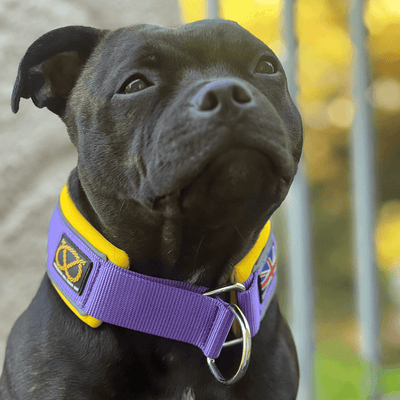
(235, 176)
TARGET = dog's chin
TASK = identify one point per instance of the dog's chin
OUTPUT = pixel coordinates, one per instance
(229, 185)
(239, 174)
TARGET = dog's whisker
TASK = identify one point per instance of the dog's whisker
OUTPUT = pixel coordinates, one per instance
(120, 212)
(198, 250)
(239, 232)
(188, 394)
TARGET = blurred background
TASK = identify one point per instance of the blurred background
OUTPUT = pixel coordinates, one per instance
(324, 78)
(36, 157)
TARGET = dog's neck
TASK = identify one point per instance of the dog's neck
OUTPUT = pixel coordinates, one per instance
(168, 246)
(92, 276)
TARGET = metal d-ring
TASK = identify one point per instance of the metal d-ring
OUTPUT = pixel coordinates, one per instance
(238, 287)
(245, 339)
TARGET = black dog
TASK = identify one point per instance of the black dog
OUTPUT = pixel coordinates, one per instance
(187, 143)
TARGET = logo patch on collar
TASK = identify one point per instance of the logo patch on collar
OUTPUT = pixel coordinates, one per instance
(267, 273)
(72, 265)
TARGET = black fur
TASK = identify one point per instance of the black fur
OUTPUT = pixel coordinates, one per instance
(181, 175)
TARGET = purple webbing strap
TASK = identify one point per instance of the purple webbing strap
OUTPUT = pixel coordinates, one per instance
(166, 308)
(249, 300)
(125, 298)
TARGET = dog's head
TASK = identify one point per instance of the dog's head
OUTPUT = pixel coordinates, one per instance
(187, 139)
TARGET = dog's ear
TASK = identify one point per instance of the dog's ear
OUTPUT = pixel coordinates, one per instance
(52, 64)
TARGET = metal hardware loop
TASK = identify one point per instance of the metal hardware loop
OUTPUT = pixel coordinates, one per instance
(245, 339)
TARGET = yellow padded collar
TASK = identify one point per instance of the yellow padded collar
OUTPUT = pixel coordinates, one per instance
(85, 229)
(244, 267)
(117, 256)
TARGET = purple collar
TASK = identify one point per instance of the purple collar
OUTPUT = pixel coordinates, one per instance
(91, 276)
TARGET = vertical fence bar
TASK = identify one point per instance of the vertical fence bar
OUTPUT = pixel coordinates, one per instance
(298, 223)
(213, 9)
(300, 282)
(363, 180)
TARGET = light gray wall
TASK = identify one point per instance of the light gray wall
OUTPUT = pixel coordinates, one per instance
(35, 153)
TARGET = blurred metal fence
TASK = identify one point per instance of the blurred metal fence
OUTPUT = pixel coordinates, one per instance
(297, 205)
(298, 214)
(363, 182)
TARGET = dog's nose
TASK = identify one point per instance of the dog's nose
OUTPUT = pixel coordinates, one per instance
(223, 94)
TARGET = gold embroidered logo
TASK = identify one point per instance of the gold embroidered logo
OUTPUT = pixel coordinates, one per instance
(72, 264)
(66, 266)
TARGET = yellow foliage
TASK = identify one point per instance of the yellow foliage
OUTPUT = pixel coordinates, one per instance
(341, 112)
(315, 115)
(315, 12)
(320, 152)
(260, 17)
(386, 94)
(321, 155)
(324, 51)
(383, 21)
(379, 14)
(193, 10)
(329, 42)
(386, 44)
(388, 235)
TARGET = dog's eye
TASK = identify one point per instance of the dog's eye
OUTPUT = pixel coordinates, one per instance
(265, 67)
(134, 84)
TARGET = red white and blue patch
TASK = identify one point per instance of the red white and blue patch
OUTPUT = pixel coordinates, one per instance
(267, 273)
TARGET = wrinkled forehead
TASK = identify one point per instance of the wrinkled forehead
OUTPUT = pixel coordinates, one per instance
(201, 41)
